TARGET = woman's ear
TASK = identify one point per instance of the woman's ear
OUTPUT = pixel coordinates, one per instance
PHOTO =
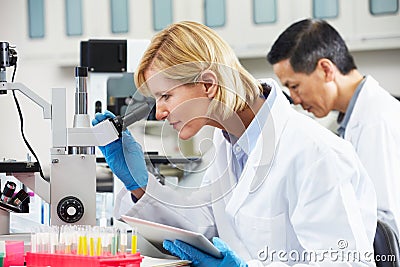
(210, 81)
(328, 69)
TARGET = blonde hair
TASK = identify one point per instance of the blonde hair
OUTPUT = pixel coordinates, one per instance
(184, 50)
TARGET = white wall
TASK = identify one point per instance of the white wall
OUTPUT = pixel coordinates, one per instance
(383, 65)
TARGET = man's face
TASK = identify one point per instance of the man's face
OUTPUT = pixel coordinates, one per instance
(312, 91)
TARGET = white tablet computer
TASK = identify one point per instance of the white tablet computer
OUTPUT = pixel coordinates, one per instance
(156, 233)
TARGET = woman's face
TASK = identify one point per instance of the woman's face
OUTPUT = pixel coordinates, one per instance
(184, 105)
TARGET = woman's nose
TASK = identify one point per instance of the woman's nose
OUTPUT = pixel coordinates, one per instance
(161, 112)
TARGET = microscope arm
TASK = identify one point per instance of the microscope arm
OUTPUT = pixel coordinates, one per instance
(32, 180)
(31, 95)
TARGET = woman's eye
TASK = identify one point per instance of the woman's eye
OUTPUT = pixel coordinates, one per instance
(165, 97)
(293, 87)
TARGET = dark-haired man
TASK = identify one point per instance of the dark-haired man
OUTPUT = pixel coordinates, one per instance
(312, 60)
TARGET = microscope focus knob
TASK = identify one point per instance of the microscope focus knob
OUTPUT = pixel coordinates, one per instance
(70, 209)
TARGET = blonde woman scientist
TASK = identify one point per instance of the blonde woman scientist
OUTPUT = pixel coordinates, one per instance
(279, 181)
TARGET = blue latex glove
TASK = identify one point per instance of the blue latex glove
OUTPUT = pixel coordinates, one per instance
(124, 156)
(201, 259)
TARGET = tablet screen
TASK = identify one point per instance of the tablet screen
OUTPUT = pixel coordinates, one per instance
(156, 233)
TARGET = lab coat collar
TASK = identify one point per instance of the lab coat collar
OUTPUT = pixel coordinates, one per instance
(363, 103)
(261, 158)
(280, 112)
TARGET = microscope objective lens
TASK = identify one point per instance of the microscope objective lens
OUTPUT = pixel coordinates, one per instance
(8, 191)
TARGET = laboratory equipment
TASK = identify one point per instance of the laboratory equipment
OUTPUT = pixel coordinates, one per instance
(134, 240)
(72, 190)
(18, 203)
(111, 62)
(8, 191)
(2, 251)
(19, 197)
(81, 245)
(156, 233)
(8, 58)
(13, 253)
(141, 111)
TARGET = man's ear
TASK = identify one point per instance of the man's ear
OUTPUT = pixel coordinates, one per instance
(328, 69)
(210, 81)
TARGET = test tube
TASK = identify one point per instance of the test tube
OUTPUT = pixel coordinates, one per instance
(80, 244)
(46, 241)
(2, 251)
(82, 241)
(43, 240)
(33, 242)
(97, 240)
(68, 240)
(53, 239)
(105, 242)
(123, 240)
(91, 245)
(84, 245)
(134, 241)
(39, 241)
(114, 240)
(98, 246)
(74, 238)
(61, 241)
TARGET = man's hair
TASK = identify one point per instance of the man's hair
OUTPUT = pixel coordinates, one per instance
(307, 41)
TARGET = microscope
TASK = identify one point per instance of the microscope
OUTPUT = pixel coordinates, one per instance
(71, 191)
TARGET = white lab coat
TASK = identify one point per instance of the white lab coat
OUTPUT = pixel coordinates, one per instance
(374, 131)
(303, 188)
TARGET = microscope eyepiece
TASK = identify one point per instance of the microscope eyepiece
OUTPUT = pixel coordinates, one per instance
(138, 113)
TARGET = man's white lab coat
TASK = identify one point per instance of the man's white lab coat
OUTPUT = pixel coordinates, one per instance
(374, 131)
